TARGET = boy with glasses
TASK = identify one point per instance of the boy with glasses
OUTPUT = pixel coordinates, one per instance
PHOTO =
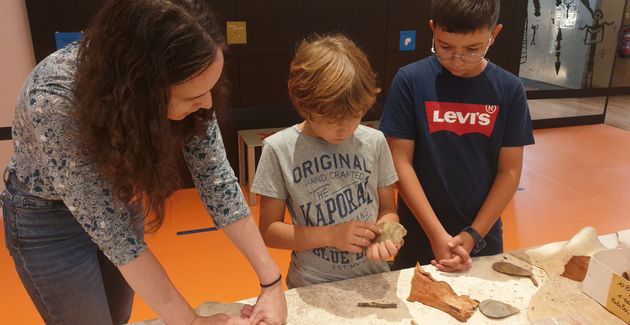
(456, 125)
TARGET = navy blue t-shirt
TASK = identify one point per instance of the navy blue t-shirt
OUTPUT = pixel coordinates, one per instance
(459, 126)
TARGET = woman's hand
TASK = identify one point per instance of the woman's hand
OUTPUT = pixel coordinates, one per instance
(220, 319)
(270, 308)
(353, 236)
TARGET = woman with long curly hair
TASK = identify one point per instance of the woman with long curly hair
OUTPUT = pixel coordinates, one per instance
(96, 130)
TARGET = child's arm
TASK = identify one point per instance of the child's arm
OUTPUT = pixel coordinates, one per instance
(411, 190)
(387, 205)
(386, 213)
(352, 236)
(501, 192)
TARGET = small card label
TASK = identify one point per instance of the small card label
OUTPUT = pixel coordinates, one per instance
(236, 32)
(618, 301)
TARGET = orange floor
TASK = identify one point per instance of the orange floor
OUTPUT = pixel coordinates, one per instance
(572, 178)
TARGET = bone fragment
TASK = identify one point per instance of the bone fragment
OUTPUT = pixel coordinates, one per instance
(376, 305)
(440, 295)
(576, 268)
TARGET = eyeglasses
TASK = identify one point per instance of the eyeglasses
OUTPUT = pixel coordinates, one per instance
(466, 57)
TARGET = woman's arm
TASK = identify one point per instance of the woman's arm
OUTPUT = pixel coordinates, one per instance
(246, 237)
(271, 305)
(147, 278)
(221, 194)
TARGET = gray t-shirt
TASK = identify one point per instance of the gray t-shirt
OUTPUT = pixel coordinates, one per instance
(326, 184)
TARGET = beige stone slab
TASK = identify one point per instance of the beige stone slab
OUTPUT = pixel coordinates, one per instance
(336, 303)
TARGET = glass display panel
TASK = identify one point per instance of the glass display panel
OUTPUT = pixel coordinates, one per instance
(571, 44)
(618, 112)
(565, 107)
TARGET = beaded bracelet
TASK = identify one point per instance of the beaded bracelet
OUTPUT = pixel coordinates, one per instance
(272, 283)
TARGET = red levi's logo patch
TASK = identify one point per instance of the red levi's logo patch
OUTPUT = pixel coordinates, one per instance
(461, 118)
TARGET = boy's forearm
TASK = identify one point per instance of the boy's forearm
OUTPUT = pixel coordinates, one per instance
(297, 238)
(502, 190)
(387, 205)
(388, 217)
(413, 194)
(410, 188)
(278, 234)
(498, 199)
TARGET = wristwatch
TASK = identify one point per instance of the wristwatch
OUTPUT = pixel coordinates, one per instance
(480, 243)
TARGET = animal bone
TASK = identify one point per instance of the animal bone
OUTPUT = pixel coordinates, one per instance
(376, 305)
(576, 268)
(440, 295)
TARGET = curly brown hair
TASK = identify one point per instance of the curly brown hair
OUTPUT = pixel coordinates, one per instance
(331, 79)
(131, 55)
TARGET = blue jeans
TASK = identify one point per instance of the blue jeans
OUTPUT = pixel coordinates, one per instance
(66, 275)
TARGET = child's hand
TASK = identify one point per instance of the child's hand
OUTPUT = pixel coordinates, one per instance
(353, 236)
(449, 258)
(383, 251)
(460, 257)
(467, 242)
(455, 263)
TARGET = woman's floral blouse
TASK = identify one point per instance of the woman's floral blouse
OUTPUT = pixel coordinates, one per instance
(47, 163)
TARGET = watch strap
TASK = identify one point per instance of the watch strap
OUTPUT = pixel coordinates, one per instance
(480, 243)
